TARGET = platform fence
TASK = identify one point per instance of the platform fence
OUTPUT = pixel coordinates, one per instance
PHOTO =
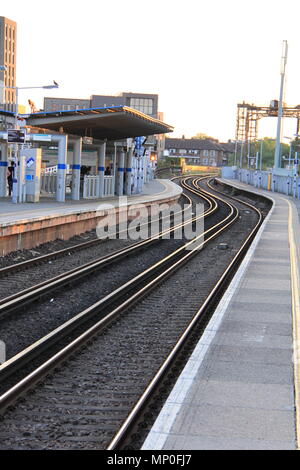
(289, 185)
(91, 186)
(49, 183)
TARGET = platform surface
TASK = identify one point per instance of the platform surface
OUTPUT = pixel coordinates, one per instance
(237, 390)
(10, 213)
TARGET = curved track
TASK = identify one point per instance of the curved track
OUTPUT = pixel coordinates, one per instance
(107, 310)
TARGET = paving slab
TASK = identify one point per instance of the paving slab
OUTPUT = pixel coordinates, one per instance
(155, 190)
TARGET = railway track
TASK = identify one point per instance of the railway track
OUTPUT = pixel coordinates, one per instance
(25, 298)
(21, 298)
(39, 270)
(127, 298)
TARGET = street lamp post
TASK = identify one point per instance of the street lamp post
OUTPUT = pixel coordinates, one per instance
(241, 156)
(235, 152)
(261, 153)
(290, 150)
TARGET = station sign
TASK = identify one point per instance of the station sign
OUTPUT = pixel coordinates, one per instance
(16, 136)
(42, 137)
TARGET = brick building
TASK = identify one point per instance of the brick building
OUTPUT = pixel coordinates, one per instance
(8, 54)
(206, 152)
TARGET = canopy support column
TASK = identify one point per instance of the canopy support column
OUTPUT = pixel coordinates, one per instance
(120, 173)
(77, 150)
(101, 167)
(128, 172)
(61, 167)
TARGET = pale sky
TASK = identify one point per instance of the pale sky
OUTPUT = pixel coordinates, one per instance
(201, 57)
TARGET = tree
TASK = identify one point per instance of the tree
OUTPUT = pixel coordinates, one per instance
(268, 151)
(202, 136)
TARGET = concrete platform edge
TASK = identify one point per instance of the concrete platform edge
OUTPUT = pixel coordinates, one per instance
(26, 233)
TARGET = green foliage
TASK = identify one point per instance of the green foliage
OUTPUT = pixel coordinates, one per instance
(202, 136)
(268, 152)
(173, 161)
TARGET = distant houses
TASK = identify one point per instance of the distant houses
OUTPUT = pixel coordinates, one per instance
(198, 152)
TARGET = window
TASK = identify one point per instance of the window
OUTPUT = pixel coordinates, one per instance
(205, 153)
(143, 105)
(205, 161)
(212, 153)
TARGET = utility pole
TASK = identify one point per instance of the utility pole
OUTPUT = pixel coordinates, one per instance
(280, 105)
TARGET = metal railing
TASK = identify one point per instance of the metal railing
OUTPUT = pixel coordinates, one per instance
(52, 170)
(91, 186)
(48, 183)
(289, 185)
(109, 186)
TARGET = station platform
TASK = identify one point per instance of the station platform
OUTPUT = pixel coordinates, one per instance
(240, 389)
(27, 225)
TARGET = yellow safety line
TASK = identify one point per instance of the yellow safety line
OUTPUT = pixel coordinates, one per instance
(296, 319)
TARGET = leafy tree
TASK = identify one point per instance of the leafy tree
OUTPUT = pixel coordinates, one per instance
(202, 136)
(268, 152)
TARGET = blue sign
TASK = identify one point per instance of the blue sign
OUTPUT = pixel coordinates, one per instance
(138, 142)
(30, 162)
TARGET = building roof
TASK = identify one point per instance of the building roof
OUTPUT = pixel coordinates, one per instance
(230, 146)
(111, 123)
(192, 144)
(4, 112)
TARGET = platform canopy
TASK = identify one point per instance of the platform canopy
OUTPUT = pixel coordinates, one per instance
(111, 123)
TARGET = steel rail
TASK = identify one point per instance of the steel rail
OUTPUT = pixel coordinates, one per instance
(65, 251)
(35, 292)
(81, 246)
(30, 294)
(26, 295)
(121, 435)
(160, 271)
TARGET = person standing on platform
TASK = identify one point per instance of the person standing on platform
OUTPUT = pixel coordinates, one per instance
(10, 177)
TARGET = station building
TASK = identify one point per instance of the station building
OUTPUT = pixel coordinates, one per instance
(8, 58)
(143, 102)
(114, 138)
